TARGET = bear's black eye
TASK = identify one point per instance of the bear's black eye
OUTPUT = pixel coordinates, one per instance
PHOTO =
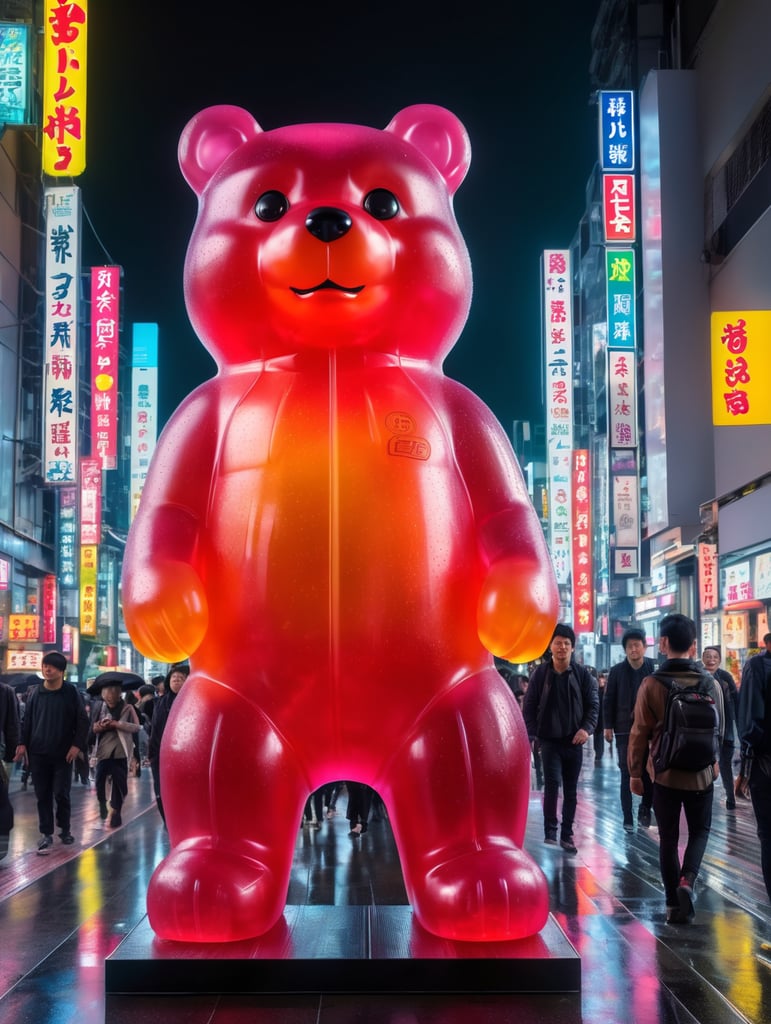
(271, 205)
(381, 204)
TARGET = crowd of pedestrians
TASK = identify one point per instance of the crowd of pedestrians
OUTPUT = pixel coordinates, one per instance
(565, 703)
(52, 733)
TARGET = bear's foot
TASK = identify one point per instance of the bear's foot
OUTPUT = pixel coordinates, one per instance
(204, 894)
(494, 894)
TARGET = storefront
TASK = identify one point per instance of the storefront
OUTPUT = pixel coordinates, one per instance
(745, 599)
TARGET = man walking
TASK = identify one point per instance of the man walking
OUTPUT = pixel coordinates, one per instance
(710, 659)
(618, 711)
(560, 710)
(675, 789)
(9, 738)
(54, 731)
(754, 727)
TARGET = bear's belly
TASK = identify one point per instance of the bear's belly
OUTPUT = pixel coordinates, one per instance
(340, 546)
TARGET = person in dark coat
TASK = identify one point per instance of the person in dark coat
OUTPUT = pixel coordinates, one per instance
(173, 683)
(710, 659)
(9, 740)
(754, 728)
(560, 709)
(677, 792)
(618, 713)
(599, 734)
(53, 733)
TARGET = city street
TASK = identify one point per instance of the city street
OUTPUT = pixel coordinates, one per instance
(62, 915)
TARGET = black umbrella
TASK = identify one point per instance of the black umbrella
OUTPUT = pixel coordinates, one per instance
(115, 677)
(22, 683)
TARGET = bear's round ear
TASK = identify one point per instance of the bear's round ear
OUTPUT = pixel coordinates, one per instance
(440, 136)
(208, 140)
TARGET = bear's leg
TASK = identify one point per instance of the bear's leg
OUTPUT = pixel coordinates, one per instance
(233, 795)
(457, 796)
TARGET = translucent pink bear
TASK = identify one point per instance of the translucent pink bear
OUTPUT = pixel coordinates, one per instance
(337, 535)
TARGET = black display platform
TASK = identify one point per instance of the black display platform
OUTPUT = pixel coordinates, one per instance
(343, 949)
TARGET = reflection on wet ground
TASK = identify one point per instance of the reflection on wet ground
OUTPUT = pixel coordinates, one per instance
(62, 915)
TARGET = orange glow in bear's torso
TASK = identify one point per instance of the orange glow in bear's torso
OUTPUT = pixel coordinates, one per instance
(338, 513)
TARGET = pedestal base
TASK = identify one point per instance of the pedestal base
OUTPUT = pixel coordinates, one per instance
(343, 949)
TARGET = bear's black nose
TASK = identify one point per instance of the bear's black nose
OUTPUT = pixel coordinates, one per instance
(327, 223)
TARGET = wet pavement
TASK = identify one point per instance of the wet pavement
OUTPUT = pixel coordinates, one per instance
(63, 914)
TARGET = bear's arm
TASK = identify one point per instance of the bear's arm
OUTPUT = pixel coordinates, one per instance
(164, 601)
(518, 601)
(176, 492)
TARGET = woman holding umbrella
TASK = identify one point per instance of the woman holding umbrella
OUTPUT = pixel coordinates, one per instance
(114, 729)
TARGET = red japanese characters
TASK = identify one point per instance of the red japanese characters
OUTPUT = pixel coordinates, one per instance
(337, 535)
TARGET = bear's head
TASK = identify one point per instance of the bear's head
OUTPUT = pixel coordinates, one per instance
(326, 236)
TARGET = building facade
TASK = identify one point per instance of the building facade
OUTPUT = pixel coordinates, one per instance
(698, 73)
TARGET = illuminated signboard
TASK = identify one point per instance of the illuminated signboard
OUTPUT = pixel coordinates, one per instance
(736, 583)
(62, 271)
(105, 333)
(621, 298)
(23, 627)
(144, 408)
(67, 546)
(626, 523)
(14, 73)
(741, 367)
(583, 573)
(622, 399)
(762, 586)
(23, 661)
(558, 352)
(89, 555)
(616, 122)
(709, 591)
(49, 609)
(90, 501)
(64, 88)
(618, 207)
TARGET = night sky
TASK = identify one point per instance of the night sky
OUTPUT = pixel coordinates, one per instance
(519, 81)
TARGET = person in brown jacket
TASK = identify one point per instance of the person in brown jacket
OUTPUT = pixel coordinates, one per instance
(675, 789)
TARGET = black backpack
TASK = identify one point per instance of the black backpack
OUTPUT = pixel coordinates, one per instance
(690, 737)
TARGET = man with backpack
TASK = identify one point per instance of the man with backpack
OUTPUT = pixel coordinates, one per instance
(560, 709)
(679, 719)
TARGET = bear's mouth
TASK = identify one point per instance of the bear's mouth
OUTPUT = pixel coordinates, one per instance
(328, 284)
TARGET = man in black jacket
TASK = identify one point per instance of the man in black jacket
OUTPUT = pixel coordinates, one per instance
(54, 731)
(754, 728)
(560, 709)
(9, 738)
(618, 711)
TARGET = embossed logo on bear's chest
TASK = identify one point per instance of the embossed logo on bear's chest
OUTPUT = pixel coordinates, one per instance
(404, 439)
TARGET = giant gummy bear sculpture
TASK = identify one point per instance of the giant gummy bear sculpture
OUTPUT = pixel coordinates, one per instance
(337, 535)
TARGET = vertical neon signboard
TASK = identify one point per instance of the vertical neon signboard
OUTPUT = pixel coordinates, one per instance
(741, 367)
(622, 399)
(64, 88)
(558, 351)
(618, 208)
(90, 501)
(583, 568)
(89, 558)
(62, 270)
(105, 336)
(144, 408)
(14, 73)
(617, 139)
(621, 298)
